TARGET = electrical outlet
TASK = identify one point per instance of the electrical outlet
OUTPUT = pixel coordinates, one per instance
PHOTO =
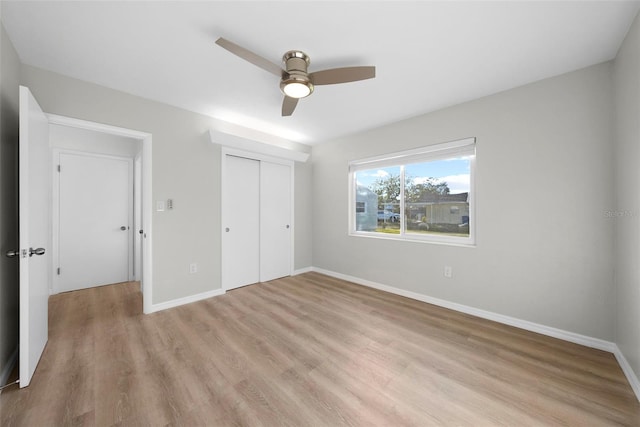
(193, 268)
(448, 272)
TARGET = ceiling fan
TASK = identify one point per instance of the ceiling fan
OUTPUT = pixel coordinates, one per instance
(295, 81)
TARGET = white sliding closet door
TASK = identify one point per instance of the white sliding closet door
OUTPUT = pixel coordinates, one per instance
(241, 226)
(275, 221)
(256, 221)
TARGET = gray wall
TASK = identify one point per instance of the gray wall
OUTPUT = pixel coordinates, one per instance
(544, 179)
(303, 215)
(9, 78)
(627, 185)
(186, 168)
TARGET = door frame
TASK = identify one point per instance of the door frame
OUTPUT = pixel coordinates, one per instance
(137, 218)
(226, 151)
(55, 283)
(147, 203)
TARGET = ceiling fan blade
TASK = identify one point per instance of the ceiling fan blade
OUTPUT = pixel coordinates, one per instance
(288, 105)
(342, 75)
(247, 55)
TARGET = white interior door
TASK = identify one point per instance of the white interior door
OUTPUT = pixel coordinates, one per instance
(34, 233)
(95, 216)
(241, 223)
(275, 221)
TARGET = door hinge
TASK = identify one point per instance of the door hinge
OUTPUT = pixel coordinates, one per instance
(58, 271)
(59, 168)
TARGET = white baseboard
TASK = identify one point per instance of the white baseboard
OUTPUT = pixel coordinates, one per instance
(628, 371)
(302, 271)
(186, 300)
(6, 371)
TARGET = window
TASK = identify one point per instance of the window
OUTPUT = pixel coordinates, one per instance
(424, 194)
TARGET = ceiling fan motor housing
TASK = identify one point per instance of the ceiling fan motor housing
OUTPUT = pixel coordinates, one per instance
(296, 63)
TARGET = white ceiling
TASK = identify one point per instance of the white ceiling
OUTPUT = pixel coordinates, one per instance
(428, 55)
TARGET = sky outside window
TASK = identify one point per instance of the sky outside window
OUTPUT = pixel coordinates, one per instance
(455, 172)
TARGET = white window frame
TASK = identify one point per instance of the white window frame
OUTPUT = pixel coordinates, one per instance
(463, 147)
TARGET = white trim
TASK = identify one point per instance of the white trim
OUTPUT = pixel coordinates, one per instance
(302, 271)
(147, 187)
(500, 318)
(185, 300)
(137, 217)
(147, 225)
(8, 368)
(628, 371)
(238, 142)
(55, 119)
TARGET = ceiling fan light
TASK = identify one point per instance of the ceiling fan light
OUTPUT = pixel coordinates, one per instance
(297, 89)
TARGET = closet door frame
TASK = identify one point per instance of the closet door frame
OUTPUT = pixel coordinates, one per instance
(224, 214)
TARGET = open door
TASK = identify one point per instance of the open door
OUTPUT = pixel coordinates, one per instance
(34, 233)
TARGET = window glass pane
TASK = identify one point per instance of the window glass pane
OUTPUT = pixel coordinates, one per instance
(379, 191)
(437, 197)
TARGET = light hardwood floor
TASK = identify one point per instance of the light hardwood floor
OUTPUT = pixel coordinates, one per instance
(307, 351)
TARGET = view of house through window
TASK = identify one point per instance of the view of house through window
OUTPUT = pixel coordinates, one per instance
(426, 196)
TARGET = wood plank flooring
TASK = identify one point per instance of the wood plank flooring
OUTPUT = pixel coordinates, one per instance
(307, 351)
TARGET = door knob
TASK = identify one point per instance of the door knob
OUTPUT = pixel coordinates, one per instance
(123, 228)
(12, 254)
(226, 229)
(38, 251)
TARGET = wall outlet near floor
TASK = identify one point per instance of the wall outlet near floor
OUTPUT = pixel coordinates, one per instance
(193, 268)
(448, 272)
